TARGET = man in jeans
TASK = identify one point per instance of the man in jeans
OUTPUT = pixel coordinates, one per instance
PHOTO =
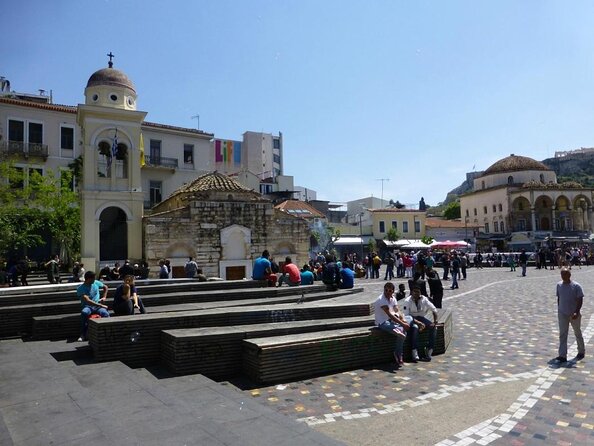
(570, 297)
(388, 318)
(92, 294)
(415, 308)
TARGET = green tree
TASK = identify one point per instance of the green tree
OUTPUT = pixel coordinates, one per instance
(392, 234)
(452, 211)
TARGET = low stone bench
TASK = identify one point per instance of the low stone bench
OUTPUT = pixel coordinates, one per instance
(64, 326)
(216, 352)
(144, 289)
(287, 358)
(18, 319)
(136, 340)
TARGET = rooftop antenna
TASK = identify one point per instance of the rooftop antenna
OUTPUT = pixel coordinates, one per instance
(197, 117)
(382, 180)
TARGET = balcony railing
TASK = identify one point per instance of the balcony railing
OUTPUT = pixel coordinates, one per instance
(24, 149)
(160, 161)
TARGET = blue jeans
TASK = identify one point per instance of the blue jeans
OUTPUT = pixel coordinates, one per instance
(84, 317)
(523, 265)
(455, 278)
(389, 326)
(414, 332)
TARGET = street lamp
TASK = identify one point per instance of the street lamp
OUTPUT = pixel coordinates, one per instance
(361, 234)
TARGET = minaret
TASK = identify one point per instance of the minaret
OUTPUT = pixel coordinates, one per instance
(111, 188)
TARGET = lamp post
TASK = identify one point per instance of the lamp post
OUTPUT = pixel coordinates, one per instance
(361, 234)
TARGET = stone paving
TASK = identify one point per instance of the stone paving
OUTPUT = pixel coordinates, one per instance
(505, 333)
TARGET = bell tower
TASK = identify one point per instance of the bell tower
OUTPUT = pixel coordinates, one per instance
(111, 187)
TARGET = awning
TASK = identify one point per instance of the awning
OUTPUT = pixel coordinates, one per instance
(352, 240)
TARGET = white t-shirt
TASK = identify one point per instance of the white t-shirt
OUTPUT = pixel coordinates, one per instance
(569, 294)
(380, 314)
(420, 308)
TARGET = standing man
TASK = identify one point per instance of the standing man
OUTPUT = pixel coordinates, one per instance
(191, 268)
(92, 294)
(523, 261)
(53, 269)
(570, 297)
(390, 319)
(455, 271)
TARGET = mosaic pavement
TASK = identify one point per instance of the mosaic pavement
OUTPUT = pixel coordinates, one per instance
(504, 335)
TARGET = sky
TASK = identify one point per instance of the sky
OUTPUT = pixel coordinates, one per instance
(405, 95)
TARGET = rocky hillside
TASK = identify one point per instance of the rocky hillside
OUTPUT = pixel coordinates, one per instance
(576, 167)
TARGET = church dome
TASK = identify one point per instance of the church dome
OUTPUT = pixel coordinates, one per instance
(213, 182)
(514, 163)
(112, 77)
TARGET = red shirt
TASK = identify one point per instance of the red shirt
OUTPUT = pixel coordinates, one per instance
(293, 272)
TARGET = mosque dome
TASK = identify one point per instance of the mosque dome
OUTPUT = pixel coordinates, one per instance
(514, 163)
(111, 77)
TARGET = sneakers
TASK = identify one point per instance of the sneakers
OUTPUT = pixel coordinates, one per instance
(415, 356)
(580, 356)
(560, 360)
(82, 339)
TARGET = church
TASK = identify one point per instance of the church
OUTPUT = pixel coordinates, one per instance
(131, 165)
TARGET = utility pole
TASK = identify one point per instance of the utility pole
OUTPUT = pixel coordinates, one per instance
(197, 117)
(382, 180)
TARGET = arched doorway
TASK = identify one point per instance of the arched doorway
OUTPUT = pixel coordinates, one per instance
(113, 234)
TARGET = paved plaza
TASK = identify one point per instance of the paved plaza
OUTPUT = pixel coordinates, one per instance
(493, 386)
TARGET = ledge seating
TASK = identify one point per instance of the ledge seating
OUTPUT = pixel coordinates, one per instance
(136, 340)
(216, 351)
(60, 293)
(18, 319)
(64, 326)
(287, 358)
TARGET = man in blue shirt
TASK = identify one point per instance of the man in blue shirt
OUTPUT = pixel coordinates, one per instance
(91, 294)
(262, 269)
(307, 277)
(347, 276)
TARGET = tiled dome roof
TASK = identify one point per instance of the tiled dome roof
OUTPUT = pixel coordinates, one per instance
(210, 182)
(110, 76)
(514, 163)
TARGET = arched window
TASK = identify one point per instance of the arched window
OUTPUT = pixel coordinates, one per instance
(484, 209)
(467, 213)
(121, 161)
(475, 211)
(510, 180)
(501, 226)
(104, 154)
(520, 206)
(542, 177)
(483, 184)
(500, 207)
(495, 226)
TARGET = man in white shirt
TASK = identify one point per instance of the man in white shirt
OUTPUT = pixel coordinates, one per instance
(415, 307)
(390, 319)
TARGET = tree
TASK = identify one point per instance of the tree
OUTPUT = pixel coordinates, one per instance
(325, 237)
(452, 211)
(392, 234)
(31, 205)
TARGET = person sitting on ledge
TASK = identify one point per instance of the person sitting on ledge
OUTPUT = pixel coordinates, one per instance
(307, 277)
(262, 269)
(331, 273)
(126, 299)
(415, 308)
(91, 301)
(347, 276)
(390, 319)
(291, 274)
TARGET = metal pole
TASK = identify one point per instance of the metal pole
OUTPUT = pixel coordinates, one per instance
(361, 235)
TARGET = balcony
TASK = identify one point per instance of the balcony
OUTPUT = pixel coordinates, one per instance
(160, 161)
(24, 149)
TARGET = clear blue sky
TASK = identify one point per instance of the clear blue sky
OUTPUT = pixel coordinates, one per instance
(415, 91)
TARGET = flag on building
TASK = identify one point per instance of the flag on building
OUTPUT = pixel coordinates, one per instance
(141, 147)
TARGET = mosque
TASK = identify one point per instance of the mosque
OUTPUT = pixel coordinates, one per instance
(518, 203)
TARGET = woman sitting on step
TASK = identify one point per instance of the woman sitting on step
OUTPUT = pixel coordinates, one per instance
(125, 299)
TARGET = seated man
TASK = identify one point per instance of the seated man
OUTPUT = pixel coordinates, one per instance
(401, 293)
(418, 281)
(347, 276)
(90, 301)
(415, 308)
(307, 277)
(262, 269)
(331, 274)
(291, 274)
(389, 318)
